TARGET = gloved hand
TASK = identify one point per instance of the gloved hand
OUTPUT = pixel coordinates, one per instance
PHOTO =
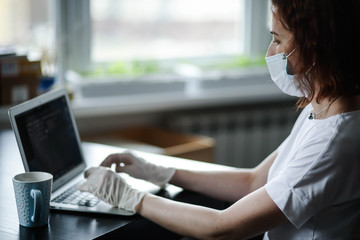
(139, 168)
(111, 188)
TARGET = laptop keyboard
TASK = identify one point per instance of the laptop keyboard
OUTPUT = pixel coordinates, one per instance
(75, 197)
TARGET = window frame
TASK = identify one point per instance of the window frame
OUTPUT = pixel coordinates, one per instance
(73, 34)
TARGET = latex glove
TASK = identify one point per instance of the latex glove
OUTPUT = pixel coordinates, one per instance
(111, 188)
(139, 168)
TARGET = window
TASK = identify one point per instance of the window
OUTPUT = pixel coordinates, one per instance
(146, 36)
(164, 29)
(136, 37)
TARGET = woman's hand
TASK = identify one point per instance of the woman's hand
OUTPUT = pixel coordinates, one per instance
(111, 188)
(139, 168)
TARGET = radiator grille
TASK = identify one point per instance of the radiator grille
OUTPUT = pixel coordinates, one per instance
(243, 137)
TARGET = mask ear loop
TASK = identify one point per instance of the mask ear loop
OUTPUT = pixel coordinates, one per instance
(289, 69)
(284, 54)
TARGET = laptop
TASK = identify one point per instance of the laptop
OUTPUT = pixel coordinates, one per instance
(49, 141)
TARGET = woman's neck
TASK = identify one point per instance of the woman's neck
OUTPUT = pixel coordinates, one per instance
(327, 108)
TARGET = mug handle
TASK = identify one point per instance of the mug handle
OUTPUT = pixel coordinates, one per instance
(36, 195)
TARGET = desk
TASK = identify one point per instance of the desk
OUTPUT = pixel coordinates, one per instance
(68, 225)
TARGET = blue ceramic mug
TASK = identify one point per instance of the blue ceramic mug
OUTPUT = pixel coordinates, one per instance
(32, 193)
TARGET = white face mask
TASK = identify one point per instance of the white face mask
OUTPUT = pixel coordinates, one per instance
(277, 65)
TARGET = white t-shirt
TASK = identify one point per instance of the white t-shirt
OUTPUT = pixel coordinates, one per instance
(315, 179)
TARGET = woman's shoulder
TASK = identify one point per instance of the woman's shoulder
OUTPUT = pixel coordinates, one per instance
(348, 127)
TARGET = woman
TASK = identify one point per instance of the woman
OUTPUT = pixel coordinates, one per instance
(308, 188)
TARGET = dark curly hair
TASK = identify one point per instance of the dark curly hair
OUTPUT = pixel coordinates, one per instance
(326, 33)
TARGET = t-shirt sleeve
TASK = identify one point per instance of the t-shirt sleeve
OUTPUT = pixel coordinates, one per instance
(318, 176)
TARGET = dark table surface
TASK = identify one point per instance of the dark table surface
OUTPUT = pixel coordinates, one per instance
(71, 225)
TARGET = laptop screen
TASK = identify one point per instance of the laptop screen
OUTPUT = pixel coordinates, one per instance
(48, 138)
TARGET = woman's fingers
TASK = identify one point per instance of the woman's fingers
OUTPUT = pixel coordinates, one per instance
(89, 171)
(119, 159)
(110, 160)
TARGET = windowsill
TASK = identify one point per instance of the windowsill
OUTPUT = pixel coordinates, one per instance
(172, 101)
(234, 88)
(250, 85)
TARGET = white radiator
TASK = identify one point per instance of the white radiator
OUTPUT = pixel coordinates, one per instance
(243, 138)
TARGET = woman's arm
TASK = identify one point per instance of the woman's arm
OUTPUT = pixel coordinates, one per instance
(250, 216)
(229, 185)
